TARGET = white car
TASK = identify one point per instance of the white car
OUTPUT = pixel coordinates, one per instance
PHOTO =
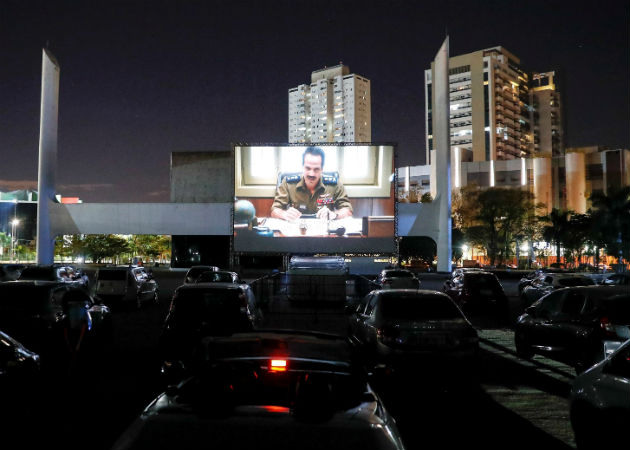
(600, 402)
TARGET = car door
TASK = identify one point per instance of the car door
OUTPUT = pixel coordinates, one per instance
(542, 317)
(357, 317)
(567, 327)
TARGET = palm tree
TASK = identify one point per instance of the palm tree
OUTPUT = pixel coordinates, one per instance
(611, 214)
(558, 229)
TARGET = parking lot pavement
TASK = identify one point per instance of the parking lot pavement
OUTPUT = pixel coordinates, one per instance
(537, 389)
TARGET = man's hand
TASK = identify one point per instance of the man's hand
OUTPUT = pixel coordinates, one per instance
(326, 213)
(291, 214)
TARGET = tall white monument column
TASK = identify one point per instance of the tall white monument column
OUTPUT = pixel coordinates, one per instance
(442, 140)
(47, 156)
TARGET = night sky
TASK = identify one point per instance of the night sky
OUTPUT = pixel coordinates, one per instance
(140, 80)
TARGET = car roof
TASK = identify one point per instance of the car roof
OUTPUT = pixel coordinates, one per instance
(212, 285)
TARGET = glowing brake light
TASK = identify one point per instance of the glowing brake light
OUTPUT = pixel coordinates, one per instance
(278, 365)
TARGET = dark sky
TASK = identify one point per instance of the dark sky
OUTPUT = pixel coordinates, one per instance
(141, 79)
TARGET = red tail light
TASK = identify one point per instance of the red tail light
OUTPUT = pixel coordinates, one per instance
(607, 327)
(278, 365)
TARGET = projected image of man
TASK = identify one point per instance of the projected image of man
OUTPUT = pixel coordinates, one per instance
(312, 192)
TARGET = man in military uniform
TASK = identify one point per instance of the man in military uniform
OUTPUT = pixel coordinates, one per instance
(311, 193)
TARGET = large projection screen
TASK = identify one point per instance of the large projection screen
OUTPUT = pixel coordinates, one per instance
(319, 198)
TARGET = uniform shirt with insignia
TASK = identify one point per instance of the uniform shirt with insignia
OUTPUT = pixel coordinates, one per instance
(292, 192)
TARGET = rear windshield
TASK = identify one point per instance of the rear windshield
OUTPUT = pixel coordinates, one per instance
(398, 274)
(568, 282)
(199, 305)
(482, 282)
(112, 275)
(39, 273)
(215, 277)
(419, 308)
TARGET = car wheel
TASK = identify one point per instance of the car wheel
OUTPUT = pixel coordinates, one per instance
(522, 349)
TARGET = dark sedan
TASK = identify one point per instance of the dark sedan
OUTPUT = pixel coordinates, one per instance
(204, 309)
(548, 282)
(478, 293)
(401, 327)
(277, 390)
(578, 325)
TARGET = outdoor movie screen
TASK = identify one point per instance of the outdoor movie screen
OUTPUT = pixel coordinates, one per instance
(320, 198)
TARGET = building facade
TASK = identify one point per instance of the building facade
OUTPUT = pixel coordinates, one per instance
(545, 114)
(334, 107)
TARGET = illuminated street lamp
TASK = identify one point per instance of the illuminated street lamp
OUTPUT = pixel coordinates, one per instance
(14, 224)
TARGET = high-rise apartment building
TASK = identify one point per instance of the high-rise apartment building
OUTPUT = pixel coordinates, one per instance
(546, 115)
(335, 107)
(489, 107)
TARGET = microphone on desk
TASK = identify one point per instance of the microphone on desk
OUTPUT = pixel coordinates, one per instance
(339, 231)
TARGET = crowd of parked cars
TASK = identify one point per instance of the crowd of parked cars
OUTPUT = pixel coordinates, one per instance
(223, 371)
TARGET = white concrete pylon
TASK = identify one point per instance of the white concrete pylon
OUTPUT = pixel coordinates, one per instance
(442, 139)
(47, 156)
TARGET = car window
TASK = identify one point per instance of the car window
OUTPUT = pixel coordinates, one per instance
(363, 303)
(398, 274)
(573, 303)
(38, 273)
(370, 306)
(550, 305)
(482, 284)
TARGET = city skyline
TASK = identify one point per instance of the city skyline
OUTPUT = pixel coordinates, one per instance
(140, 80)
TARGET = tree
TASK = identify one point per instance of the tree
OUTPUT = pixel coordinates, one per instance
(580, 226)
(492, 218)
(101, 246)
(558, 230)
(611, 216)
(5, 242)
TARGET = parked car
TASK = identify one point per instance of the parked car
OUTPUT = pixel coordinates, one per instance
(577, 325)
(204, 309)
(61, 273)
(600, 402)
(397, 279)
(10, 272)
(16, 361)
(33, 312)
(547, 282)
(195, 271)
(219, 276)
(617, 279)
(281, 390)
(478, 292)
(398, 327)
(126, 285)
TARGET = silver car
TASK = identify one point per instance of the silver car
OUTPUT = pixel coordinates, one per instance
(400, 327)
(600, 402)
(126, 285)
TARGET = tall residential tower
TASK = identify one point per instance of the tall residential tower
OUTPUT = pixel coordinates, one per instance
(335, 107)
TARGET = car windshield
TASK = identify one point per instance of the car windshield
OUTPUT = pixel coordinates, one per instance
(398, 274)
(111, 275)
(575, 281)
(15, 298)
(430, 307)
(39, 273)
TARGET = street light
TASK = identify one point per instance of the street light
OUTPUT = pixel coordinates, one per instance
(14, 224)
